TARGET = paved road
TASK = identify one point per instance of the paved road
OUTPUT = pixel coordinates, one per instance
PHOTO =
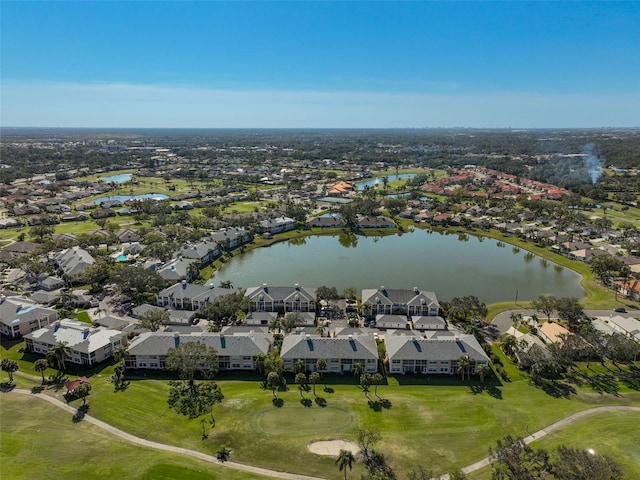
(167, 448)
(502, 321)
(292, 476)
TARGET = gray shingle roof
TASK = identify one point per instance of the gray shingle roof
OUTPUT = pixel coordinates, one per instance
(398, 296)
(239, 344)
(401, 347)
(362, 347)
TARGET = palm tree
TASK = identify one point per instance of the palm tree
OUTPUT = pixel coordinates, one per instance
(345, 459)
(301, 380)
(509, 343)
(41, 365)
(120, 354)
(67, 299)
(358, 368)
(226, 284)
(321, 366)
(314, 378)
(193, 270)
(464, 363)
(299, 366)
(58, 354)
(482, 371)
(376, 379)
(8, 365)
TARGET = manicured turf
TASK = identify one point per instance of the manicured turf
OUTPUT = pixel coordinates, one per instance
(41, 441)
(613, 433)
(433, 421)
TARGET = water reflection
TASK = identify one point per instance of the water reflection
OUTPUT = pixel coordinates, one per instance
(348, 240)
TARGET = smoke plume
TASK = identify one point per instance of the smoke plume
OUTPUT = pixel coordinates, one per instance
(592, 162)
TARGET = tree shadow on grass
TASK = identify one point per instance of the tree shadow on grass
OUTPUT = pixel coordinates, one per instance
(491, 390)
(599, 382)
(379, 405)
(7, 386)
(328, 389)
(306, 402)
(58, 380)
(554, 388)
(122, 387)
(631, 379)
(38, 389)
(277, 402)
(321, 402)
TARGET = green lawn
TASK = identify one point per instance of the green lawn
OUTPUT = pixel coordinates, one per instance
(612, 433)
(436, 422)
(46, 444)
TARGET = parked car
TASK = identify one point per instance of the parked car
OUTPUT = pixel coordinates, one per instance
(620, 310)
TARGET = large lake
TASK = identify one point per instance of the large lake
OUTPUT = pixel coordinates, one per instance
(448, 264)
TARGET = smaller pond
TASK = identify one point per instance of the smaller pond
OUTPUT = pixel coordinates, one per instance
(120, 178)
(378, 180)
(124, 198)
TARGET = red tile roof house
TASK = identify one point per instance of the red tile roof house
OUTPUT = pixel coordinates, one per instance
(73, 384)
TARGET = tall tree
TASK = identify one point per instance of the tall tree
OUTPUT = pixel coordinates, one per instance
(120, 354)
(290, 321)
(193, 271)
(570, 310)
(273, 382)
(314, 377)
(41, 366)
(512, 459)
(376, 379)
(226, 306)
(10, 366)
(546, 304)
(154, 319)
(190, 358)
(464, 364)
(508, 343)
(482, 371)
(301, 380)
(194, 399)
(81, 391)
(345, 459)
(574, 464)
(365, 383)
(58, 354)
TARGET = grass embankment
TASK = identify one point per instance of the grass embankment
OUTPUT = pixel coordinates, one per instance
(437, 422)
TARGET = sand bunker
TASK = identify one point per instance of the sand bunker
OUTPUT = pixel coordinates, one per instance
(332, 447)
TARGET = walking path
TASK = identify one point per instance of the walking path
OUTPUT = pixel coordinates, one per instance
(292, 476)
(167, 448)
(547, 430)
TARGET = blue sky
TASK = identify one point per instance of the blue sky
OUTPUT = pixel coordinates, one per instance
(320, 64)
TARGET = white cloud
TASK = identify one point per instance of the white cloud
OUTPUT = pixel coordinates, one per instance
(128, 105)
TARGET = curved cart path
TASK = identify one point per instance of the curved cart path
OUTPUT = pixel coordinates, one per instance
(292, 476)
(167, 448)
(551, 428)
